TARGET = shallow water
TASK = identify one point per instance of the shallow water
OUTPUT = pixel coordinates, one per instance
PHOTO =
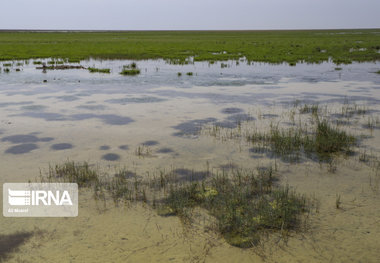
(47, 118)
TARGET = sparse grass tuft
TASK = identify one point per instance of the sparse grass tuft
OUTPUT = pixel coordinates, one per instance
(189, 73)
(72, 172)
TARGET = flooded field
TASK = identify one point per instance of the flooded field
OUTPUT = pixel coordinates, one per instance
(193, 121)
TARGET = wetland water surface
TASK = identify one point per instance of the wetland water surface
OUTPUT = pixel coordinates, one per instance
(160, 120)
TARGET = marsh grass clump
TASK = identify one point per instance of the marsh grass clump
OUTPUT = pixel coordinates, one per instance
(72, 172)
(244, 204)
(189, 73)
(322, 142)
(37, 62)
(179, 74)
(7, 70)
(7, 64)
(99, 70)
(130, 70)
(329, 140)
(377, 72)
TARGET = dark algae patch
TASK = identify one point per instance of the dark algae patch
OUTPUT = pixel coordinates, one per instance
(11, 242)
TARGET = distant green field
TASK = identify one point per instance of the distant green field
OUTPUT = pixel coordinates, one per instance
(342, 46)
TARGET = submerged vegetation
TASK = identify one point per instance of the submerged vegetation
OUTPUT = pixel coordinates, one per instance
(315, 46)
(245, 204)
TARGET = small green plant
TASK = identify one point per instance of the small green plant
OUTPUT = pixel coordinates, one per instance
(179, 74)
(130, 70)
(80, 173)
(377, 72)
(7, 64)
(189, 73)
(7, 70)
(37, 62)
(338, 68)
(99, 70)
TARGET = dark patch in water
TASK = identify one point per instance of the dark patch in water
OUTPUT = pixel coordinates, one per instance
(231, 110)
(67, 98)
(226, 124)
(111, 157)
(10, 243)
(46, 139)
(21, 148)
(165, 150)
(269, 116)
(150, 143)
(241, 117)
(191, 127)
(92, 107)
(104, 148)
(21, 138)
(34, 107)
(47, 116)
(125, 101)
(189, 175)
(110, 119)
(61, 146)
(6, 104)
(124, 147)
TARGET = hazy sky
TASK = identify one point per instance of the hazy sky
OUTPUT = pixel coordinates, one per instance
(188, 14)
